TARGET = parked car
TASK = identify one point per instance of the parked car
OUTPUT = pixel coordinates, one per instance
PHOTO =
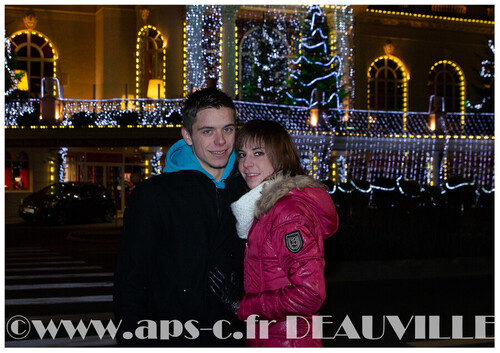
(61, 203)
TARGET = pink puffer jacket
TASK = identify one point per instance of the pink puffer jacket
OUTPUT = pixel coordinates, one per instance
(284, 260)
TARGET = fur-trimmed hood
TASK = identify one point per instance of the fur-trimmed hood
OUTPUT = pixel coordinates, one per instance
(279, 186)
(261, 199)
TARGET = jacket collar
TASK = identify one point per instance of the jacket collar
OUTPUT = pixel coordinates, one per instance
(180, 157)
(280, 185)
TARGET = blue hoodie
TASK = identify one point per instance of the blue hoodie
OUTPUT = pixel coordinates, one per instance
(180, 157)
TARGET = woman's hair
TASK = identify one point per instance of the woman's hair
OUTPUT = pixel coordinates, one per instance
(277, 143)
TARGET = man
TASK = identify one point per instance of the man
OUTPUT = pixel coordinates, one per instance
(177, 227)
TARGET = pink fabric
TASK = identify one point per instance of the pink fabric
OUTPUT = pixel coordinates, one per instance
(281, 281)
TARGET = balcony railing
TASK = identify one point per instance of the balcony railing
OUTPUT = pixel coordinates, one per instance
(107, 111)
(17, 108)
(161, 112)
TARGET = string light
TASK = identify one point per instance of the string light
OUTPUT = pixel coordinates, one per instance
(146, 33)
(8, 57)
(374, 148)
(265, 38)
(203, 25)
(400, 144)
(435, 17)
(441, 67)
(51, 171)
(342, 169)
(63, 152)
(236, 62)
(15, 109)
(314, 44)
(379, 65)
(487, 75)
(51, 58)
(155, 163)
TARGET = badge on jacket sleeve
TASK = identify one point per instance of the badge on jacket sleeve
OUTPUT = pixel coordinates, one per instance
(294, 242)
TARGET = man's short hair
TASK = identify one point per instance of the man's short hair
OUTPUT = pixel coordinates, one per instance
(203, 99)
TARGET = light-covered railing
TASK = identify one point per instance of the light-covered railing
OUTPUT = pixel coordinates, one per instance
(108, 111)
(17, 108)
(343, 144)
(345, 122)
(291, 117)
(372, 123)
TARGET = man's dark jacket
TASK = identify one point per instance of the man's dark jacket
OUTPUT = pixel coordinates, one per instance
(178, 226)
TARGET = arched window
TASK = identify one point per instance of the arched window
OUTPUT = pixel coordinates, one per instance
(35, 55)
(16, 171)
(150, 63)
(387, 84)
(264, 57)
(446, 80)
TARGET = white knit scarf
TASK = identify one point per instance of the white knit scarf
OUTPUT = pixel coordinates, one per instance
(243, 210)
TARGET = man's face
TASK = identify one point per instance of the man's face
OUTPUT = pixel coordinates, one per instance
(212, 139)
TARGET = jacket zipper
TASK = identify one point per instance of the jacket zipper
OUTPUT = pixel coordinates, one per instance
(217, 192)
(217, 203)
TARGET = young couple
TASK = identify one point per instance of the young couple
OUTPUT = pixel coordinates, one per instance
(232, 228)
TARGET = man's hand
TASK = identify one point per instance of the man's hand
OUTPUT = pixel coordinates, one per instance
(224, 288)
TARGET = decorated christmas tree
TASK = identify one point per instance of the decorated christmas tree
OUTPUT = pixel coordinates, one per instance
(267, 81)
(11, 77)
(317, 68)
(486, 88)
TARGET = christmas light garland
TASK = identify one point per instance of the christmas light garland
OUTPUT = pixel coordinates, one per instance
(63, 152)
(155, 163)
(7, 59)
(301, 74)
(315, 144)
(203, 46)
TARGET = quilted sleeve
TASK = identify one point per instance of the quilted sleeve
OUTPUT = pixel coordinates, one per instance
(300, 253)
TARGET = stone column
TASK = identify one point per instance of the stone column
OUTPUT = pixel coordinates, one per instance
(195, 73)
(437, 161)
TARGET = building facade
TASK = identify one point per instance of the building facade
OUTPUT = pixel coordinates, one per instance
(393, 58)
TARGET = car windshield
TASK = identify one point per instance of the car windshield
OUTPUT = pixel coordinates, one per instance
(58, 189)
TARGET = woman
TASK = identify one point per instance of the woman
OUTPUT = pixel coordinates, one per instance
(285, 217)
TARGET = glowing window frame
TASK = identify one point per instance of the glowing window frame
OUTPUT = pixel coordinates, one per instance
(461, 78)
(29, 33)
(138, 73)
(405, 75)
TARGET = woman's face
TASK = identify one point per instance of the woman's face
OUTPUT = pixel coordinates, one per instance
(254, 164)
